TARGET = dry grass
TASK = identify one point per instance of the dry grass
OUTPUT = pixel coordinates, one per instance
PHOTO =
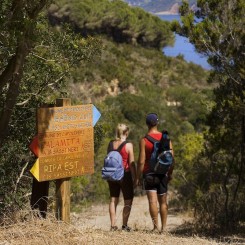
(50, 231)
(92, 227)
(53, 232)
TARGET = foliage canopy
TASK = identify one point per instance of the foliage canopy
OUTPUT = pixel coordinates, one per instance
(220, 35)
(36, 61)
(115, 19)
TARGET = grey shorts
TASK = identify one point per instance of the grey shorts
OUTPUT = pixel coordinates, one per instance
(156, 182)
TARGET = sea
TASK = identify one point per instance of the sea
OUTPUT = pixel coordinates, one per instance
(183, 47)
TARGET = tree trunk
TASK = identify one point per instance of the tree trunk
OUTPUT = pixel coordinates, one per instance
(13, 73)
(12, 76)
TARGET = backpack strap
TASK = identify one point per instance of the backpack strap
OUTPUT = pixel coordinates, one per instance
(110, 146)
(122, 145)
(164, 141)
(151, 139)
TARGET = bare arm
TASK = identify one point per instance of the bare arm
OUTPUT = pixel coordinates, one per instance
(130, 150)
(171, 147)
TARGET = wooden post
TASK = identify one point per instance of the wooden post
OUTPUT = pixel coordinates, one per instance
(40, 190)
(63, 186)
(39, 197)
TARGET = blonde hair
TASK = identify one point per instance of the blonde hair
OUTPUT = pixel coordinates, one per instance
(121, 130)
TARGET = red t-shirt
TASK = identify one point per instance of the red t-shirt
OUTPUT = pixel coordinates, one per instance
(149, 150)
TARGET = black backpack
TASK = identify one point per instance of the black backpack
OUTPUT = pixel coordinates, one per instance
(161, 157)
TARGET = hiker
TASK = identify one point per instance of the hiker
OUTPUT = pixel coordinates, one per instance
(126, 184)
(157, 190)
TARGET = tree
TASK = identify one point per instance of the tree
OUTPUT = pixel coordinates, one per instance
(18, 26)
(220, 35)
(115, 19)
(35, 66)
(189, 146)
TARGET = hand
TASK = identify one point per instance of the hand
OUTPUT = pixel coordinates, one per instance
(136, 183)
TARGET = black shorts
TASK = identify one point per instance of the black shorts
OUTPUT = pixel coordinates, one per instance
(156, 182)
(126, 185)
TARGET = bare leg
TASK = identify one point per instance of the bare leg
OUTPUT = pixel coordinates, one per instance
(152, 199)
(163, 206)
(126, 210)
(112, 209)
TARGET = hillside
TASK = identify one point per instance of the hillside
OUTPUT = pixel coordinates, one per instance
(127, 80)
(115, 19)
(133, 70)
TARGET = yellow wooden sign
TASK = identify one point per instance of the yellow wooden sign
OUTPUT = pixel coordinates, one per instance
(64, 118)
(65, 142)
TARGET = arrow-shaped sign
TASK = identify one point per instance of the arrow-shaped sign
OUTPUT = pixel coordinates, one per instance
(96, 115)
(34, 146)
(35, 169)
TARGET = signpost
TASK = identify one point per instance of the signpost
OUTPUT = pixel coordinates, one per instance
(65, 141)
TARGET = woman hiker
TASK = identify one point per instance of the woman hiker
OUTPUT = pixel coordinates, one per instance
(126, 184)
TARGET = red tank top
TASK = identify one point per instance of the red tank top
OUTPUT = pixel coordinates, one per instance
(125, 158)
(149, 150)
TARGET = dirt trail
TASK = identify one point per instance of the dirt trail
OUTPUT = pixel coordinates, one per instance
(94, 223)
(98, 216)
(91, 227)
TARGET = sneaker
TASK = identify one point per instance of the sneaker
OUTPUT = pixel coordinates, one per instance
(114, 228)
(126, 228)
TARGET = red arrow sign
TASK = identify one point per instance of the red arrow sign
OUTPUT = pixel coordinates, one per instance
(34, 146)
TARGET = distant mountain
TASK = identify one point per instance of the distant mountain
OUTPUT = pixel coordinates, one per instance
(158, 6)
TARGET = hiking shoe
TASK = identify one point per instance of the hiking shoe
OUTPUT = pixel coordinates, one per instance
(164, 232)
(126, 228)
(114, 228)
(155, 231)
